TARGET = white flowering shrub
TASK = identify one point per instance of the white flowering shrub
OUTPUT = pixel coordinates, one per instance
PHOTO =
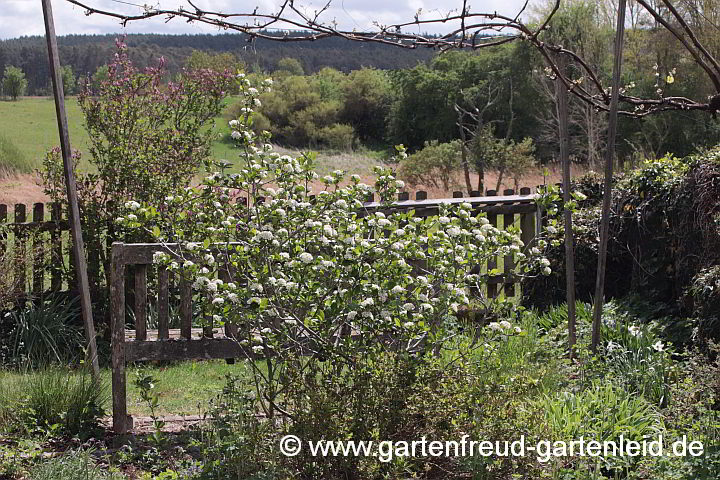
(313, 271)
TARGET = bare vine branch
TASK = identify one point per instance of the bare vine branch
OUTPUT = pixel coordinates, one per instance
(466, 30)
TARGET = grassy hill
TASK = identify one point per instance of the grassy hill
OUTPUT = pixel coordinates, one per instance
(30, 125)
(29, 129)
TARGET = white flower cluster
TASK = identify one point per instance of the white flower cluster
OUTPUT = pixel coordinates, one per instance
(320, 260)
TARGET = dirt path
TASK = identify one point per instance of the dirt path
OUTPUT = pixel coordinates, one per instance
(21, 189)
(25, 188)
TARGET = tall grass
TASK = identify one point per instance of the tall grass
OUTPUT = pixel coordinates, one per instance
(12, 160)
(603, 412)
(58, 401)
(43, 334)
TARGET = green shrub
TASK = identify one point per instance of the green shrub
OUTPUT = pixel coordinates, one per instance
(72, 465)
(694, 411)
(42, 334)
(236, 443)
(664, 213)
(705, 292)
(337, 137)
(434, 165)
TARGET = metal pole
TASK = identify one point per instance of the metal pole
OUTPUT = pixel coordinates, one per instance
(74, 213)
(607, 192)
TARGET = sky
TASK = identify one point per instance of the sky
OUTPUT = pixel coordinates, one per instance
(24, 17)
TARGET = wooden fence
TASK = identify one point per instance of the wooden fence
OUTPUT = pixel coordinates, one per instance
(32, 250)
(141, 343)
(35, 242)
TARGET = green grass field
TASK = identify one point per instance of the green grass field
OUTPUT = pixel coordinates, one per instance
(29, 126)
(182, 388)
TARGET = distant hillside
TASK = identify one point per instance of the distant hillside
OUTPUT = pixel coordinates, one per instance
(85, 53)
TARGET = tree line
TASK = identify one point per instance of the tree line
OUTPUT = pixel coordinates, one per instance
(86, 53)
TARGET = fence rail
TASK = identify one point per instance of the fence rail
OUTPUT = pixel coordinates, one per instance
(31, 250)
(172, 302)
(35, 242)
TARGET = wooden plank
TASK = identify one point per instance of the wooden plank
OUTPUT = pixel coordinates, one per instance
(527, 230)
(185, 308)
(20, 252)
(209, 348)
(163, 304)
(433, 210)
(39, 252)
(3, 234)
(56, 256)
(224, 274)
(117, 325)
(208, 320)
(196, 349)
(140, 302)
(489, 199)
(492, 261)
(508, 260)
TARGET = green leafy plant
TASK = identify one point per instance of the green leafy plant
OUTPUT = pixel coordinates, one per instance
(40, 335)
(148, 137)
(236, 443)
(435, 165)
(146, 384)
(314, 273)
(602, 412)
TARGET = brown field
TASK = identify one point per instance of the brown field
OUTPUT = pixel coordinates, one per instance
(26, 189)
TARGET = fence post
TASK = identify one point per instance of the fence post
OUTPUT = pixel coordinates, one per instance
(140, 302)
(492, 262)
(121, 422)
(20, 250)
(163, 304)
(185, 308)
(56, 256)
(508, 260)
(38, 252)
(3, 235)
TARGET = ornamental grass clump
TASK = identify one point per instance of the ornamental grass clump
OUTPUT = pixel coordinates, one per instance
(319, 286)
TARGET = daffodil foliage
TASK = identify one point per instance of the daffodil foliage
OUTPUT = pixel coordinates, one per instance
(314, 271)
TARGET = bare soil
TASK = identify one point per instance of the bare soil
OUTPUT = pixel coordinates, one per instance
(23, 188)
(27, 189)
